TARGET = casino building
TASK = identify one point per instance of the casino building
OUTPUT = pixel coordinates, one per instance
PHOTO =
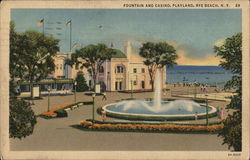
(125, 71)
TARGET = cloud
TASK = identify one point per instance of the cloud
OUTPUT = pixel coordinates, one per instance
(219, 42)
(209, 59)
(188, 55)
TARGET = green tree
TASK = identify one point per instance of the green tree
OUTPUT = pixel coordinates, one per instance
(157, 55)
(15, 65)
(22, 119)
(31, 59)
(31, 55)
(91, 57)
(231, 53)
(81, 82)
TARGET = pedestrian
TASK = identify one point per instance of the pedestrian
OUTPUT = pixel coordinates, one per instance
(104, 116)
(104, 96)
(218, 112)
(196, 116)
(222, 114)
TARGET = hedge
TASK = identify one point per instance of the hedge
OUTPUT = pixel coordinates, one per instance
(155, 123)
(152, 127)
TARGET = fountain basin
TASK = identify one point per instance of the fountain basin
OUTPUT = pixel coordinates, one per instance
(169, 111)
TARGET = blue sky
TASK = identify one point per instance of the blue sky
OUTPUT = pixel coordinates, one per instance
(192, 32)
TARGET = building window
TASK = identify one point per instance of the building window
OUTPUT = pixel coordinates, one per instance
(57, 67)
(119, 69)
(101, 69)
(134, 70)
(60, 66)
(143, 70)
(120, 85)
(116, 85)
(135, 83)
(142, 84)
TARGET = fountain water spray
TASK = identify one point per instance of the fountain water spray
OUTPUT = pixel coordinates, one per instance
(157, 106)
(158, 90)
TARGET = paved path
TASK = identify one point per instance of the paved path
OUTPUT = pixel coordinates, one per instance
(57, 134)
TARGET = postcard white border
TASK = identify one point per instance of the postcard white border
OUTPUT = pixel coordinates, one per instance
(4, 91)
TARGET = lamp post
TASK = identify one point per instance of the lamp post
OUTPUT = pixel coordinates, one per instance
(131, 88)
(93, 111)
(75, 83)
(49, 89)
(32, 94)
(195, 89)
(206, 110)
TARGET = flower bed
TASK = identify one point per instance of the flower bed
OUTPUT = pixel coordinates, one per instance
(60, 110)
(52, 113)
(153, 127)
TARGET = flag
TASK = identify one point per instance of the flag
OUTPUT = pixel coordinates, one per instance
(68, 23)
(41, 22)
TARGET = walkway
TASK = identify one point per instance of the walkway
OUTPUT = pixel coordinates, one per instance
(57, 134)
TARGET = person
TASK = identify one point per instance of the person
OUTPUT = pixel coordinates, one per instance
(218, 112)
(222, 114)
(104, 116)
(104, 96)
(196, 116)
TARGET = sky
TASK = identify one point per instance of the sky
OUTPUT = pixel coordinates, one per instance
(193, 32)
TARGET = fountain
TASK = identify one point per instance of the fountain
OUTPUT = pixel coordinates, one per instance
(158, 109)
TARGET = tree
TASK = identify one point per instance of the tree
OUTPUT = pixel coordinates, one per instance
(31, 58)
(91, 57)
(81, 82)
(22, 119)
(15, 66)
(31, 55)
(157, 55)
(231, 53)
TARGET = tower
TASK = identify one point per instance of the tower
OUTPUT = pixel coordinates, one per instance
(128, 49)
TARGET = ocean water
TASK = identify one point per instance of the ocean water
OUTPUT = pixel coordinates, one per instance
(211, 75)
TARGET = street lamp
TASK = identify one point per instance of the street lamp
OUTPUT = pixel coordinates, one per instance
(49, 89)
(75, 90)
(206, 110)
(93, 111)
(195, 89)
(131, 88)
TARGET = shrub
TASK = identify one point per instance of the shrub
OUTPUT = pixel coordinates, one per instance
(61, 113)
(152, 127)
(22, 119)
(81, 82)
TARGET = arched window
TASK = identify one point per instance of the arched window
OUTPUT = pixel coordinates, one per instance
(119, 69)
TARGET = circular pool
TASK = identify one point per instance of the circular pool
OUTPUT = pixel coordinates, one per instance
(148, 110)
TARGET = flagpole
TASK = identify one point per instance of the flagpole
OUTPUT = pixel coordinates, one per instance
(43, 25)
(70, 43)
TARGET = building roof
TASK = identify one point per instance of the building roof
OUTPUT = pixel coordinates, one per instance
(118, 54)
